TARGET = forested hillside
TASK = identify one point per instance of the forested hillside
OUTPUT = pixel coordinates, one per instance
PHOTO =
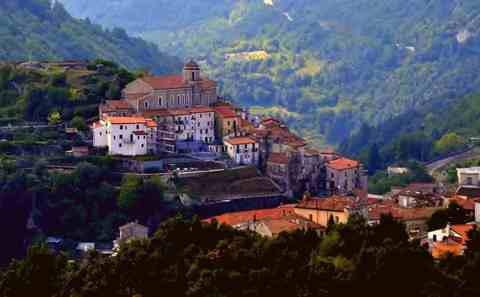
(326, 66)
(417, 135)
(40, 30)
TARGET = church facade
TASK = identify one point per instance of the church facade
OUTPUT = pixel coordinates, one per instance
(185, 90)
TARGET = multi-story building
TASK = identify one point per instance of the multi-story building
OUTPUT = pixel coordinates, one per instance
(469, 177)
(336, 209)
(171, 91)
(126, 136)
(344, 176)
(227, 122)
(179, 126)
(115, 108)
(242, 150)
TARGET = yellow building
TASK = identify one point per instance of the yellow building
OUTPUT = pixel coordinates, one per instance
(227, 122)
(336, 208)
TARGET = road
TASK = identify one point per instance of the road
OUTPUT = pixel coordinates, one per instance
(432, 168)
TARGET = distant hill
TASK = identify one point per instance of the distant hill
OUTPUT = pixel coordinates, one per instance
(40, 30)
(328, 65)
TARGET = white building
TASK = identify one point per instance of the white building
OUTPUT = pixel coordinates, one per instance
(468, 176)
(195, 123)
(242, 150)
(126, 136)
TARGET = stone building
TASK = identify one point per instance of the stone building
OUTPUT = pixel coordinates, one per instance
(171, 91)
(335, 208)
(344, 176)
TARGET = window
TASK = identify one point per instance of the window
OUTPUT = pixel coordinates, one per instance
(146, 104)
(119, 145)
(228, 123)
(121, 136)
(138, 126)
(138, 137)
(121, 127)
(114, 137)
(142, 145)
(100, 133)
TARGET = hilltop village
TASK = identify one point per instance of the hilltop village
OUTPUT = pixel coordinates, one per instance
(171, 144)
(249, 171)
(182, 116)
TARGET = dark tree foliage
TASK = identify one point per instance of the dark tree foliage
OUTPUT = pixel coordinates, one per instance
(191, 258)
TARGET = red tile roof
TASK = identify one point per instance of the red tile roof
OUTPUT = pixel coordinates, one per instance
(403, 214)
(235, 218)
(278, 158)
(279, 225)
(343, 164)
(173, 82)
(240, 140)
(117, 104)
(333, 203)
(128, 120)
(225, 111)
(468, 204)
(462, 231)
(441, 249)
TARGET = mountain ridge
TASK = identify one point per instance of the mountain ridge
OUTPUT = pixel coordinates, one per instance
(359, 62)
(44, 30)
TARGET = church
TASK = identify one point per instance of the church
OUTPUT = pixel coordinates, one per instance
(171, 91)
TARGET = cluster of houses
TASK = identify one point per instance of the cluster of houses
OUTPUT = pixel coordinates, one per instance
(182, 114)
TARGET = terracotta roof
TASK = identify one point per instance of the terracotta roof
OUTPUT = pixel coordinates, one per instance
(151, 123)
(117, 104)
(441, 249)
(279, 225)
(343, 164)
(333, 203)
(173, 82)
(225, 111)
(403, 214)
(468, 204)
(235, 218)
(462, 231)
(127, 120)
(240, 140)
(278, 158)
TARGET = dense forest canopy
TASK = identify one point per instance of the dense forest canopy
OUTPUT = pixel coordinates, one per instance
(188, 258)
(40, 30)
(326, 66)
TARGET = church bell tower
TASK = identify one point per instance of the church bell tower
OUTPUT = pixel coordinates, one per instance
(191, 72)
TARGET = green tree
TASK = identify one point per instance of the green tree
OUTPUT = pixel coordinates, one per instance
(449, 142)
(54, 118)
(79, 123)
